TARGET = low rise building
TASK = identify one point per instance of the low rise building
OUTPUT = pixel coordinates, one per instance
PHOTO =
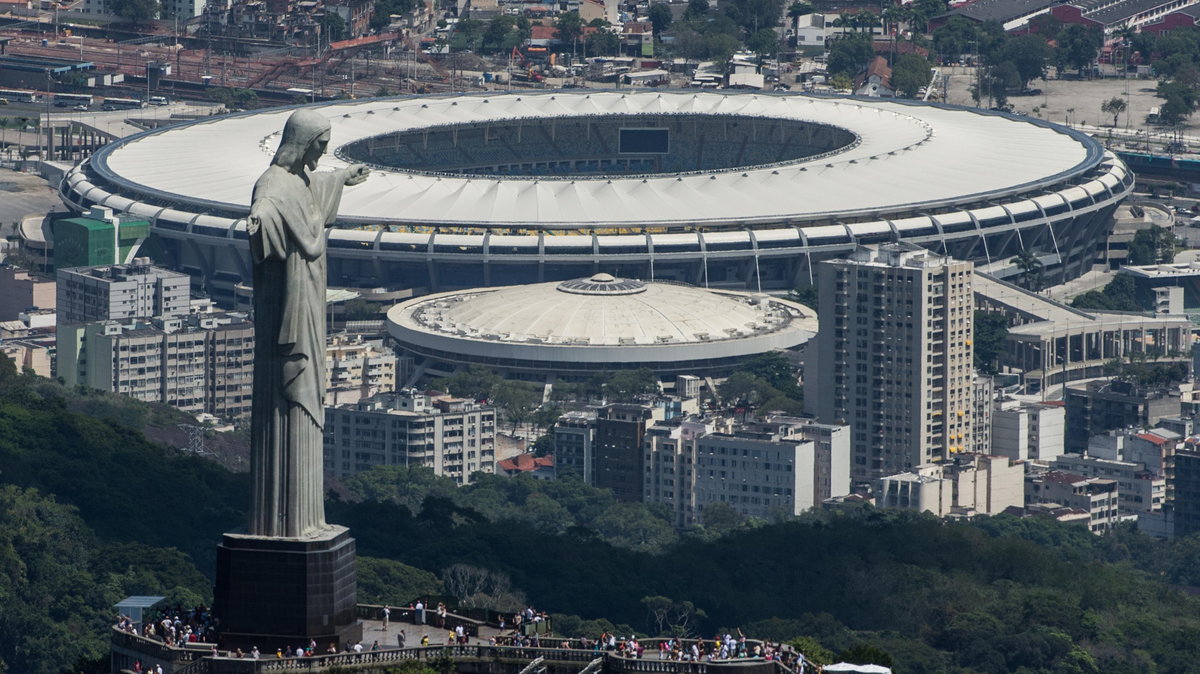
(971, 484)
(357, 368)
(29, 356)
(574, 444)
(1028, 431)
(21, 290)
(454, 437)
(1093, 495)
(1138, 490)
(1101, 406)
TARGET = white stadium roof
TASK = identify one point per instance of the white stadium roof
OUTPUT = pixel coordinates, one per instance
(601, 319)
(908, 155)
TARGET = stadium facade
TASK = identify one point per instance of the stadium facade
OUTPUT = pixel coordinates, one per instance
(729, 190)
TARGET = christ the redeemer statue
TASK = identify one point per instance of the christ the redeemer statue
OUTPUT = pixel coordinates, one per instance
(292, 205)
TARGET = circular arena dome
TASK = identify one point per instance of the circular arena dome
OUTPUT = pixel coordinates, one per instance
(714, 189)
(582, 326)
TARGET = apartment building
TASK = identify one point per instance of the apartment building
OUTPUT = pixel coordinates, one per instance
(121, 291)
(357, 368)
(893, 357)
(453, 436)
(197, 363)
(783, 465)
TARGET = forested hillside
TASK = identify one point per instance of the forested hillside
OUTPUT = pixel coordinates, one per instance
(90, 511)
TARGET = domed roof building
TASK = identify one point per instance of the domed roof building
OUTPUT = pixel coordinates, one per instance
(580, 327)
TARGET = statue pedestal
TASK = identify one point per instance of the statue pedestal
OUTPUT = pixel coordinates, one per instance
(275, 592)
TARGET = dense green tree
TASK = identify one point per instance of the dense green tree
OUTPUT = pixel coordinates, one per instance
(991, 332)
(136, 11)
(471, 30)
(696, 9)
(46, 587)
(849, 56)
(765, 42)
(1077, 46)
(603, 43)
(924, 10)
(498, 35)
(569, 27)
(812, 650)
(956, 38)
(385, 581)
(660, 18)
(910, 74)
(775, 369)
(1029, 54)
(475, 382)
(403, 485)
(806, 295)
(1153, 246)
(333, 27)
(1118, 295)
(235, 97)
(754, 15)
(384, 9)
(745, 389)
(867, 654)
(516, 400)
(625, 385)
(1182, 96)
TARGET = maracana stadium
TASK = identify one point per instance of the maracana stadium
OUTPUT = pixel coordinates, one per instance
(722, 190)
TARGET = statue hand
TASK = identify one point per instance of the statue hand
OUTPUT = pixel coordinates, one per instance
(357, 173)
(254, 220)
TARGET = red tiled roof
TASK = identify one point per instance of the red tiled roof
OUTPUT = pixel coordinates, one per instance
(1063, 477)
(526, 462)
(1152, 438)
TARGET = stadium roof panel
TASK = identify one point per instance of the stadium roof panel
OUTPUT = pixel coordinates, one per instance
(908, 156)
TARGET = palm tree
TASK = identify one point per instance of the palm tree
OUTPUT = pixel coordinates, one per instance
(796, 10)
(1125, 35)
(1031, 269)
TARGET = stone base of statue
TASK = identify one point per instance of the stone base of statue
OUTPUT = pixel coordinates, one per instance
(276, 592)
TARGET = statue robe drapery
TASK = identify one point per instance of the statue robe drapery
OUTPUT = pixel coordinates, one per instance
(288, 249)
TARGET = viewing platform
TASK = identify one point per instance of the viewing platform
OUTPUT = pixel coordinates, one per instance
(478, 656)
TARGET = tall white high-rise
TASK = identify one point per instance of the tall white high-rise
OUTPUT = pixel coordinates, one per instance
(893, 358)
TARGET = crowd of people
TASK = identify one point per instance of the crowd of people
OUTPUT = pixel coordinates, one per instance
(174, 626)
(720, 647)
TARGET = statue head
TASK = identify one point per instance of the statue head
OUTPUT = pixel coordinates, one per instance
(305, 136)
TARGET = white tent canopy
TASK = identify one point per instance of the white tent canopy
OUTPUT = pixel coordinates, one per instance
(861, 669)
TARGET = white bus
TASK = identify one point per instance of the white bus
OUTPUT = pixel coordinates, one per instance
(63, 100)
(111, 103)
(18, 95)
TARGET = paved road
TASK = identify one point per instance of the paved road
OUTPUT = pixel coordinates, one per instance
(22, 194)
